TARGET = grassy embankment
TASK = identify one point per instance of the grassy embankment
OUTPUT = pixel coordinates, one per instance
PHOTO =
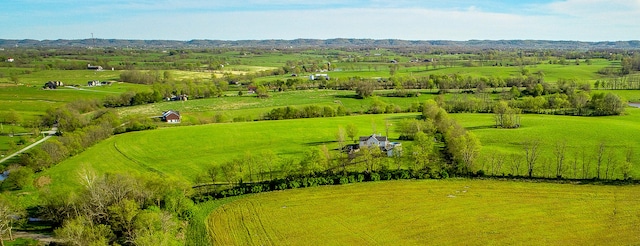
(468, 212)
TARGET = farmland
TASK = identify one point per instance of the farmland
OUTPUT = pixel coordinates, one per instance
(469, 212)
(254, 114)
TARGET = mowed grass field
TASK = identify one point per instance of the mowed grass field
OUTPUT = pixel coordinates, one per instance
(433, 212)
(579, 133)
(185, 152)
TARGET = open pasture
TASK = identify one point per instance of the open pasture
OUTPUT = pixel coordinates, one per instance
(251, 107)
(427, 212)
(186, 152)
(582, 136)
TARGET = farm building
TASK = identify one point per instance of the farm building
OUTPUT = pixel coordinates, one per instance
(10, 59)
(178, 98)
(98, 68)
(319, 76)
(382, 142)
(52, 85)
(171, 116)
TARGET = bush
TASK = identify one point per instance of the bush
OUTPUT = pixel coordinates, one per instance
(374, 177)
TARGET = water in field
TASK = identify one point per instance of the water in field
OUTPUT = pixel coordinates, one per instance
(637, 105)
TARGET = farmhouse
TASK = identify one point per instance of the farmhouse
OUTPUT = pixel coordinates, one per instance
(52, 85)
(381, 142)
(10, 59)
(94, 83)
(171, 116)
(178, 98)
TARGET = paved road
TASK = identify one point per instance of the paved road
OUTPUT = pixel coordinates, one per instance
(49, 133)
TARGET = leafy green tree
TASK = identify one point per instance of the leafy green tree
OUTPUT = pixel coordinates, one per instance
(121, 217)
(19, 178)
(364, 89)
(83, 231)
(422, 152)
(505, 116)
(262, 91)
(156, 228)
(352, 131)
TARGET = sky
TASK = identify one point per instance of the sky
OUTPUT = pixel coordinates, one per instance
(575, 20)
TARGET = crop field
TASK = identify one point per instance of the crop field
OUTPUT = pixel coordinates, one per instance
(427, 212)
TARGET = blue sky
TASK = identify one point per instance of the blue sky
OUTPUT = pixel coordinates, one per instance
(584, 20)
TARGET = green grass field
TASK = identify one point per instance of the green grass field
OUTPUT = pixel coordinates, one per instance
(432, 212)
(185, 152)
(580, 133)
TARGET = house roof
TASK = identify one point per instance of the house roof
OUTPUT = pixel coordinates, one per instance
(167, 113)
(379, 138)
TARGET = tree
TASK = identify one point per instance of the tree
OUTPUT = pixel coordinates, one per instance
(600, 152)
(352, 131)
(340, 137)
(422, 151)
(19, 178)
(230, 171)
(531, 151)
(559, 152)
(262, 91)
(121, 217)
(212, 173)
(364, 89)
(627, 165)
(9, 216)
(505, 116)
(465, 149)
(83, 231)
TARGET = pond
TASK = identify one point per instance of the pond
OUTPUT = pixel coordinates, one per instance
(637, 105)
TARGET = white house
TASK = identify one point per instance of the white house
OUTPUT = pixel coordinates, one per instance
(381, 142)
(10, 59)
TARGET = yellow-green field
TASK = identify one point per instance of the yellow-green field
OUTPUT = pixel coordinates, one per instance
(433, 212)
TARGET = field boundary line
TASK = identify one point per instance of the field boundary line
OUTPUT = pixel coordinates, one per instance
(145, 166)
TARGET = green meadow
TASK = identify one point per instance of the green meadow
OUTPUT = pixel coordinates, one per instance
(185, 152)
(582, 136)
(432, 212)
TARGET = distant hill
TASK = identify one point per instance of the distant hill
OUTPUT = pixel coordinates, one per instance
(328, 43)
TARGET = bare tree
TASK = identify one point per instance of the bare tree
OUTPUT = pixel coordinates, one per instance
(559, 151)
(611, 164)
(627, 166)
(586, 164)
(516, 162)
(531, 151)
(600, 152)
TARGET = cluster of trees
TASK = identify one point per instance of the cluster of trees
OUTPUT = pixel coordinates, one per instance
(600, 162)
(119, 209)
(310, 111)
(81, 124)
(566, 101)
